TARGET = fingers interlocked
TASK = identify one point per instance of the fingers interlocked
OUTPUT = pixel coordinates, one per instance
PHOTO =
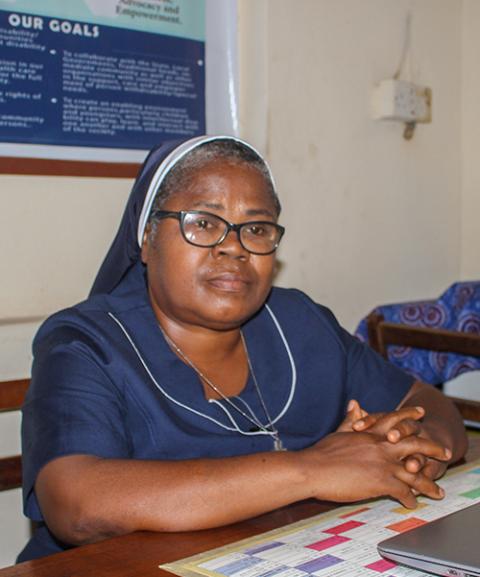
(421, 459)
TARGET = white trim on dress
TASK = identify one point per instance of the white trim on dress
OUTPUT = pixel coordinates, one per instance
(235, 426)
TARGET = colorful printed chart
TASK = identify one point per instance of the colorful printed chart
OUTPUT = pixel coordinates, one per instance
(339, 543)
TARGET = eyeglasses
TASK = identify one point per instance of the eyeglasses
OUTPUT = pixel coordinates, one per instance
(206, 230)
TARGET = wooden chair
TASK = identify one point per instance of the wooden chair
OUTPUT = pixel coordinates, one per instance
(12, 394)
(381, 334)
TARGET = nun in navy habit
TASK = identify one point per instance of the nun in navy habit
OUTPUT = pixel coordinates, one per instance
(186, 392)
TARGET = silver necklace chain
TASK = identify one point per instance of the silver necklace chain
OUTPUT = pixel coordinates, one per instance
(271, 430)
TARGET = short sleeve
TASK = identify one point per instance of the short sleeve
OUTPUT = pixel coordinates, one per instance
(72, 407)
(377, 384)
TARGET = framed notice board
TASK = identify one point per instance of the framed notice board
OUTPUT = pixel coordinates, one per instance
(101, 81)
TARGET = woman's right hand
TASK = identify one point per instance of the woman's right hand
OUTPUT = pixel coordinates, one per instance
(351, 466)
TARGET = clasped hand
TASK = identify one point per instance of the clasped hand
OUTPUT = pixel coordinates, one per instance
(386, 454)
(395, 426)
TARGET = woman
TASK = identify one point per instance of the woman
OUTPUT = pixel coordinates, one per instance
(165, 401)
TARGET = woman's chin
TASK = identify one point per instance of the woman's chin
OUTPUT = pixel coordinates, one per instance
(225, 318)
(233, 309)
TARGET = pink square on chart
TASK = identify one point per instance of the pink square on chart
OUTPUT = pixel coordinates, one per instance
(348, 526)
(327, 543)
(381, 565)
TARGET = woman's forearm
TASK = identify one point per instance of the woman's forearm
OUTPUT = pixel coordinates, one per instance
(85, 498)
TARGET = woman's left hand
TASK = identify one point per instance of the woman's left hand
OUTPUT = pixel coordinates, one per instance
(354, 414)
(395, 426)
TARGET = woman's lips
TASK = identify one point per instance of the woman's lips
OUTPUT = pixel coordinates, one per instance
(230, 282)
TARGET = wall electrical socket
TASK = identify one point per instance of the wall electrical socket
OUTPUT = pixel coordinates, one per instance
(402, 101)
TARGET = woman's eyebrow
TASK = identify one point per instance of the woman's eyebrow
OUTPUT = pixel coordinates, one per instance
(218, 206)
(260, 212)
(205, 204)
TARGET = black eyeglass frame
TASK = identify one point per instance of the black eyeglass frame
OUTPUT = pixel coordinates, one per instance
(180, 216)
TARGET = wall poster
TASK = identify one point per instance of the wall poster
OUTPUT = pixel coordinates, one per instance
(101, 80)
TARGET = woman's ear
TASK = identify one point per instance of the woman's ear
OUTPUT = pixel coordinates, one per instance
(146, 243)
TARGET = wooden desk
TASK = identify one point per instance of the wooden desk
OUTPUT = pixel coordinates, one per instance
(139, 554)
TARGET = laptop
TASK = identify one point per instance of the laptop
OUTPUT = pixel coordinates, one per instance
(448, 546)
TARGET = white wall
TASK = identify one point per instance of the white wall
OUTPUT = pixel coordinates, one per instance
(370, 217)
(470, 261)
(54, 232)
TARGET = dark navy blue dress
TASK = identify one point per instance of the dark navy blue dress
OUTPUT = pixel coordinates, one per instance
(106, 383)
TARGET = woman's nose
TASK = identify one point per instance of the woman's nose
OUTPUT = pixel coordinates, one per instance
(231, 246)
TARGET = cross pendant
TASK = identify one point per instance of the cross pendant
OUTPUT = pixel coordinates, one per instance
(278, 445)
